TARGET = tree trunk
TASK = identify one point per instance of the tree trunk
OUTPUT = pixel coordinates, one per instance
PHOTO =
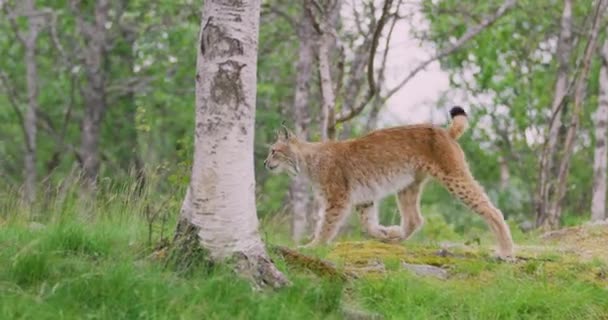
(327, 88)
(35, 22)
(505, 175)
(219, 206)
(95, 90)
(564, 50)
(298, 190)
(600, 158)
(555, 202)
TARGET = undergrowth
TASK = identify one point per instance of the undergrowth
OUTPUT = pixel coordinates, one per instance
(102, 265)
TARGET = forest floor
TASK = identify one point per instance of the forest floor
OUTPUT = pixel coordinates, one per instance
(74, 269)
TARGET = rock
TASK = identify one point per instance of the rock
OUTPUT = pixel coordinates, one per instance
(444, 253)
(373, 266)
(36, 226)
(527, 226)
(353, 313)
(427, 270)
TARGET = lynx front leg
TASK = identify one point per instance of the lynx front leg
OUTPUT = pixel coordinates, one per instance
(329, 223)
(368, 215)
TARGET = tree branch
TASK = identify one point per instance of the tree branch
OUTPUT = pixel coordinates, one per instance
(267, 8)
(468, 35)
(372, 90)
(578, 102)
(11, 19)
(13, 97)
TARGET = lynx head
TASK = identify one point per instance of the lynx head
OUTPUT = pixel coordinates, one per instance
(281, 156)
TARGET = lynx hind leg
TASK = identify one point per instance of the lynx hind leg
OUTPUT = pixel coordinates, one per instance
(467, 189)
(408, 201)
(368, 215)
(331, 218)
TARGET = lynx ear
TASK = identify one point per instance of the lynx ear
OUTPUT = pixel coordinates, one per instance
(285, 134)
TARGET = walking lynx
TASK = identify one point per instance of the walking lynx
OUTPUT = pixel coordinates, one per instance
(358, 173)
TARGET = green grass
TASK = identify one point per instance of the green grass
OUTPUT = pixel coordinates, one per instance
(84, 268)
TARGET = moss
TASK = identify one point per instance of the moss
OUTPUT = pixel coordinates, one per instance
(303, 262)
(186, 255)
(473, 266)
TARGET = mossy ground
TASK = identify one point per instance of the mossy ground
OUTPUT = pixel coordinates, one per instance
(105, 268)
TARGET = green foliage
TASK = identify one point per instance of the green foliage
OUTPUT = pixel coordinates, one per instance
(505, 297)
(104, 266)
(60, 272)
(511, 67)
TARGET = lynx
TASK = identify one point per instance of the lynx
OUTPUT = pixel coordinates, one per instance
(358, 173)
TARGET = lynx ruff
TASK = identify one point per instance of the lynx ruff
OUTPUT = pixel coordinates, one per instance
(358, 173)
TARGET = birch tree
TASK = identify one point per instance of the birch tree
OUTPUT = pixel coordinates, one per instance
(219, 210)
(36, 21)
(553, 214)
(94, 34)
(298, 190)
(546, 167)
(600, 158)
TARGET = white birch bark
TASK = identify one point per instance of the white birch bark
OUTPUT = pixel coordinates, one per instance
(505, 175)
(35, 23)
(94, 93)
(327, 87)
(600, 158)
(220, 202)
(555, 205)
(563, 52)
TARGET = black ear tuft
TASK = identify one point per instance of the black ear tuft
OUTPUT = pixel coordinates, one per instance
(285, 132)
(457, 111)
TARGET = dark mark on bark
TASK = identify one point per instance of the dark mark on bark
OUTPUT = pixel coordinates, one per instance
(230, 3)
(203, 46)
(227, 87)
(218, 42)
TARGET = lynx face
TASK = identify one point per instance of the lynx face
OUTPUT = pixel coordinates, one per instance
(281, 157)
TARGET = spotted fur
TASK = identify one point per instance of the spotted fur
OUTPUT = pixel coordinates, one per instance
(358, 173)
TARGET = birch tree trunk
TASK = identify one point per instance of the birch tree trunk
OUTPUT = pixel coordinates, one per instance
(298, 190)
(95, 34)
(555, 205)
(327, 88)
(219, 208)
(505, 175)
(600, 158)
(546, 165)
(35, 23)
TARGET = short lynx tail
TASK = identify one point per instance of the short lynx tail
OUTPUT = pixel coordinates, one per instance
(460, 122)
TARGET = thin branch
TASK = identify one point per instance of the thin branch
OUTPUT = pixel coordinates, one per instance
(47, 126)
(316, 22)
(357, 17)
(377, 105)
(267, 8)
(13, 97)
(468, 35)
(55, 38)
(578, 102)
(372, 90)
(375, 40)
(11, 19)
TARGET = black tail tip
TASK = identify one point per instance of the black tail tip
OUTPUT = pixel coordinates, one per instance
(457, 111)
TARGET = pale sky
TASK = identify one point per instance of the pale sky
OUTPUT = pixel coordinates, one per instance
(416, 101)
